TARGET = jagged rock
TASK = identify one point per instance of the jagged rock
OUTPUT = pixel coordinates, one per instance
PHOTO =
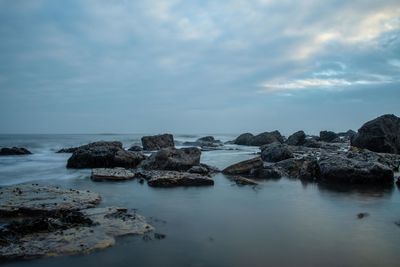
(244, 167)
(91, 145)
(380, 135)
(68, 239)
(174, 178)
(32, 199)
(275, 152)
(398, 181)
(338, 168)
(390, 160)
(296, 139)
(328, 136)
(112, 174)
(135, 148)
(157, 142)
(14, 151)
(173, 159)
(104, 157)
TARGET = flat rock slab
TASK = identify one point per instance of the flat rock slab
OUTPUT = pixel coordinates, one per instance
(33, 199)
(108, 223)
(174, 178)
(111, 174)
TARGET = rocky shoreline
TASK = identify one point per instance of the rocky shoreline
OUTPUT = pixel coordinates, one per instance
(44, 221)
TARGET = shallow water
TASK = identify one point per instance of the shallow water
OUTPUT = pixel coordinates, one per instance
(279, 223)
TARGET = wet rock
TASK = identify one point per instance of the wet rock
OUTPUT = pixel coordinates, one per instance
(296, 139)
(244, 167)
(135, 148)
(206, 143)
(261, 139)
(275, 152)
(338, 168)
(28, 199)
(362, 215)
(290, 167)
(390, 160)
(309, 170)
(74, 238)
(239, 180)
(157, 142)
(398, 181)
(174, 178)
(244, 139)
(173, 159)
(199, 169)
(112, 174)
(267, 172)
(104, 157)
(380, 135)
(91, 145)
(14, 151)
(327, 136)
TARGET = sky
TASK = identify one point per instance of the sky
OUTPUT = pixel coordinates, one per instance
(152, 66)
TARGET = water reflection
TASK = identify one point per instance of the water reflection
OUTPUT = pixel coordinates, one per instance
(365, 191)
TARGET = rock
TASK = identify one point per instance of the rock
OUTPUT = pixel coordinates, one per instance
(290, 167)
(173, 159)
(267, 172)
(362, 215)
(206, 143)
(104, 157)
(111, 174)
(239, 180)
(327, 136)
(266, 138)
(135, 148)
(32, 199)
(91, 145)
(61, 238)
(244, 139)
(208, 138)
(174, 178)
(380, 135)
(390, 160)
(157, 142)
(309, 170)
(398, 181)
(349, 134)
(14, 151)
(312, 143)
(296, 139)
(244, 167)
(275, 152)
(199, 169)
(338, 168)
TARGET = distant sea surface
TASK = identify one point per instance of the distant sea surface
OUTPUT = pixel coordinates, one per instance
(279, 223)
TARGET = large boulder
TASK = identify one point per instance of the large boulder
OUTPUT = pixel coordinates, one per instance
(244, 139)
(156, 142)
(261, 139)
(380, 135)
(244, 167)
(275, 152)
(174, 178)
(104, 157)
(14, 151)
(173, 159)
(328, 136)
(91, 145)
(296, 139)
(341, 169)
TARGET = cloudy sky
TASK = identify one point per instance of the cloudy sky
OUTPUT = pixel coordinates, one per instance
(151, 66)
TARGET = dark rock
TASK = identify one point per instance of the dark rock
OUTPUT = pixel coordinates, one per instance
(112, 174)
(390, 160)
(338, 168)
(206, 142)
(199, 169)
(239, 180)
(380, 135)
(14, 151)
(398, 181)
(157, 142)
(349, 134)
(91, 145)
(135, 148)
(104, 157)
(275, 152)
(362, 215)
(244, 167)
(290, 167)
(261, 139)
(296, 139)
(309, 170)
(328, 136)
(267, 172)
(173, 159)
(174, 178)
(244, 139)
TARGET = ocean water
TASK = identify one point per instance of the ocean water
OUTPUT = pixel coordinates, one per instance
(279, 223)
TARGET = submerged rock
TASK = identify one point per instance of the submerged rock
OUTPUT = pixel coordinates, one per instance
(112, 174)
(380, 135)
(156, 142)
(174, 178)
(14, 151)
(244, 167)
(104, 157)
(239, 180)
(173, 159)
(91, 145)
(275, 152)
(296, 139)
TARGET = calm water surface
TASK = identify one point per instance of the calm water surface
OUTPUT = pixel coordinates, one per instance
(279, 223)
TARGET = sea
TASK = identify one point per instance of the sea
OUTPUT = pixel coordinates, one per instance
(282, 222)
